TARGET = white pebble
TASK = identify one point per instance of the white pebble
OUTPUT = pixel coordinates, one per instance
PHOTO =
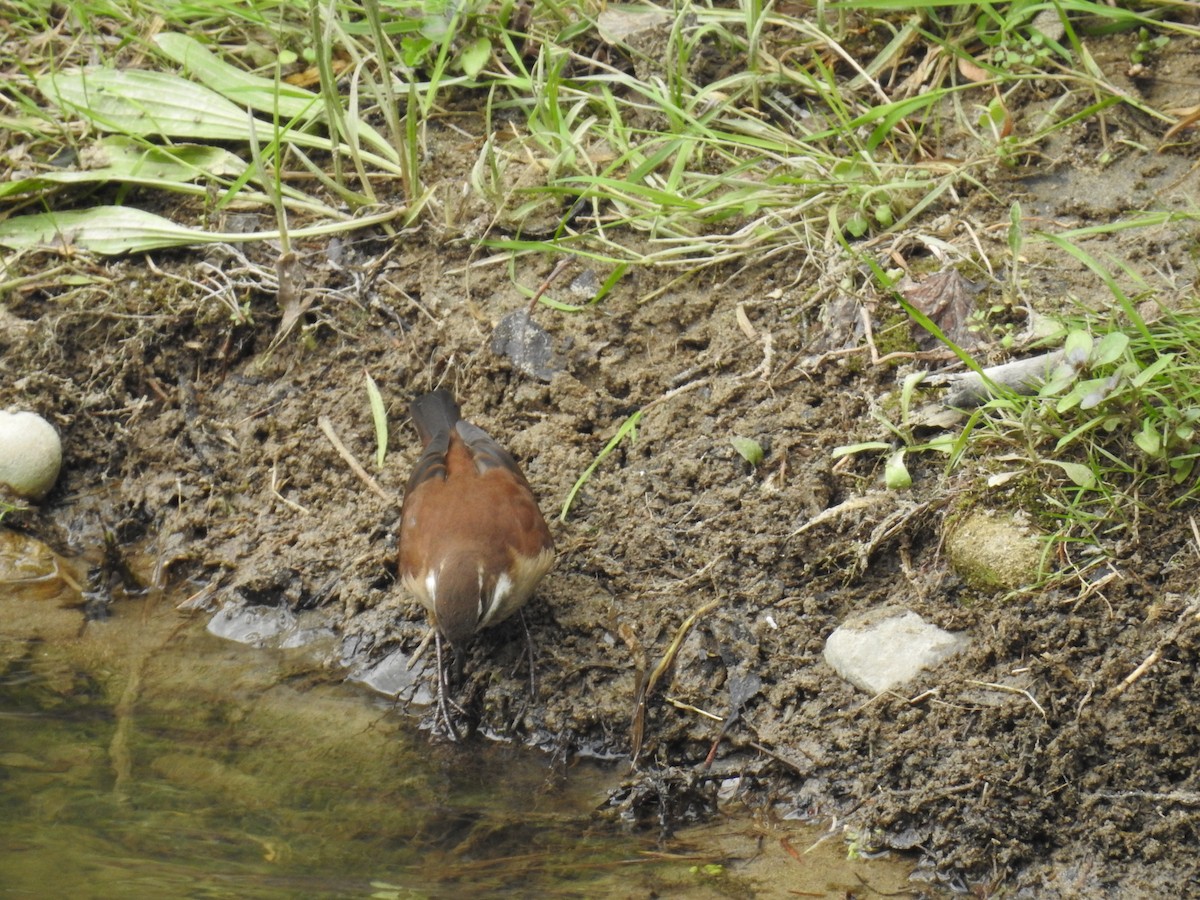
(30, 454)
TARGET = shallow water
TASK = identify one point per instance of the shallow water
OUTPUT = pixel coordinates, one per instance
(143, 757)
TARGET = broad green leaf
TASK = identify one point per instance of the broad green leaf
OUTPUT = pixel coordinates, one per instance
(130, 101)
(112, 230)
(1071, 400)
(246, 90)
(1097, 390)
(1077, 348)
(1061, 378)
(1079, 474)
(1109, 348)
(107, 230)
(413, 50)
(379, 417)
(266, 95)
(155, 104)
(475, 56)
(117, 158)
(857, 225)
(1148, 439)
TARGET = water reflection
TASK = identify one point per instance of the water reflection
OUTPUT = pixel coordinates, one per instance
(143, 757)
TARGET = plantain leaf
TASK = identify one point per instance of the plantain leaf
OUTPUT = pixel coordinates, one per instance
(246, 90)
(130, 101)
(156, 104)
(266, 95)
(111, 230)
(1079, 474)
(475, 56)
(107, 230)
(117, 158)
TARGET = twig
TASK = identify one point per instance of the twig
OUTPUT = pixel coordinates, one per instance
(876, 359)
(780, 759)
(276, 484)
(545, 285)
(1156, 654)
(638, 728)
(1144, 667)
(327, 427)
(1024, 376)
(421, 648)
(1012, 690)
(1173, 635)
(687, 707)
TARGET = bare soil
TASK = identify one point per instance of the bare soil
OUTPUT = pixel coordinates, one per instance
(192, 440)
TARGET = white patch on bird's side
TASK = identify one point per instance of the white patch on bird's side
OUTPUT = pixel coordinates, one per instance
(496, 601)
(480, 612)
(431, 587)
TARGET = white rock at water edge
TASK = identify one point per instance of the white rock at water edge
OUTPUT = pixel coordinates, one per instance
(887, 648)
(30, 454)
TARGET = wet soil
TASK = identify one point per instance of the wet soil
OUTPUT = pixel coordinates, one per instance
(192, 440)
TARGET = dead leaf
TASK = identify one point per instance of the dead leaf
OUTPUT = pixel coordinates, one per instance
(617, 25)
(948, 299)
(971, 70)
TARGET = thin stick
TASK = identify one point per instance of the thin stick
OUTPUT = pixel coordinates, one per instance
(639, 711)
(1156, 654)
(421, 648)
(327, 427)
(276, 484)
(687, 707)
(1142, 669)
(1012, 690)
(545, 285)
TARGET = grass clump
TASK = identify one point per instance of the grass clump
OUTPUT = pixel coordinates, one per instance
(1112, 432)
(683, 138)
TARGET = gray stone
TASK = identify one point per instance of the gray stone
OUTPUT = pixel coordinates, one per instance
(256, 625)
(888, 647)
(529, 346)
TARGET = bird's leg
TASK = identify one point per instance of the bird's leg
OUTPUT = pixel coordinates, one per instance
(442, 716)
(529, 647)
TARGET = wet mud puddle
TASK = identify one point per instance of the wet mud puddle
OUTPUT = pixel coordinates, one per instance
(141, 756)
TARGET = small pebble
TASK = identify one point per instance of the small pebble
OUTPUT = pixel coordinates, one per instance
(30, 454)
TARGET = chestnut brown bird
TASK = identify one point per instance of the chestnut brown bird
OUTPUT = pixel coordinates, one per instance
(473, 542)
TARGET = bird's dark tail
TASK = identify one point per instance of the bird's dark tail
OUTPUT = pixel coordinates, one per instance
(434, 413)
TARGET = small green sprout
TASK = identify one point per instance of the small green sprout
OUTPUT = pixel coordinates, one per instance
(748, 449)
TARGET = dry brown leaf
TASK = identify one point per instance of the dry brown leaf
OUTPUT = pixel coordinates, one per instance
(948, 299)
(971, 70)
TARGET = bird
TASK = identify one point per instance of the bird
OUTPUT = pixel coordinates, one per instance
(473, 541)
